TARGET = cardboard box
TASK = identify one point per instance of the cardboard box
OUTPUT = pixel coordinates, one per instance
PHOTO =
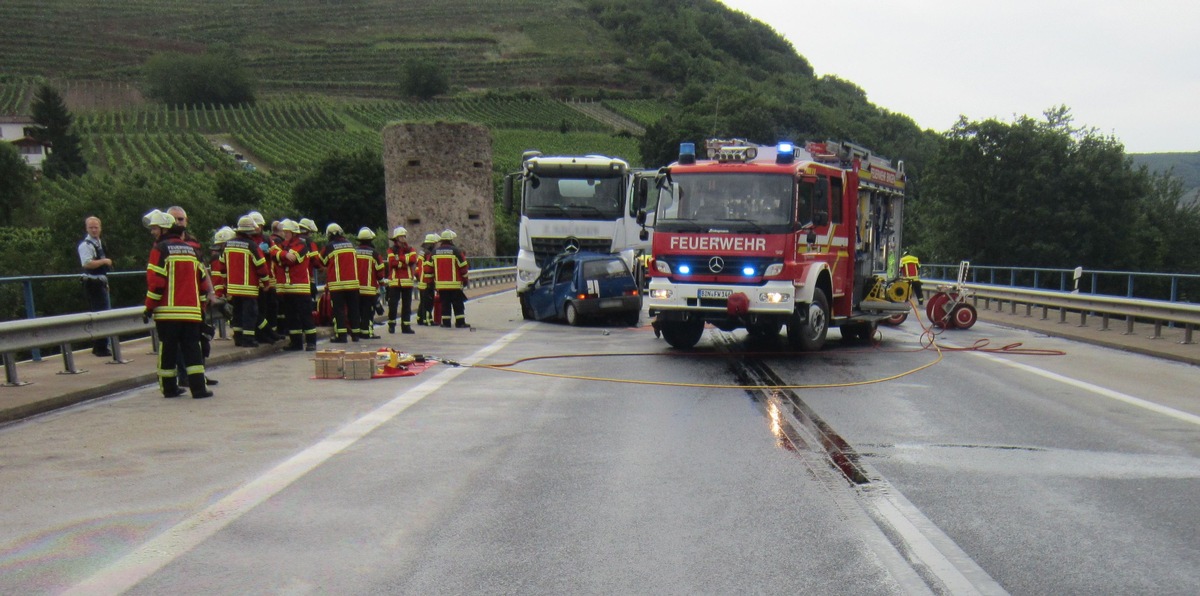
(359, 366)
(329, 364)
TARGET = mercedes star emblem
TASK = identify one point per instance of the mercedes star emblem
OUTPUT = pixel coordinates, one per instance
(716, 264)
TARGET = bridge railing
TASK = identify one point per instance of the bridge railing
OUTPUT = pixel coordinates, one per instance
(27, 335)
(1171, 287)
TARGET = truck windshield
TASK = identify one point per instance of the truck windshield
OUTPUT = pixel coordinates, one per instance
(763, 199)
(574, 198)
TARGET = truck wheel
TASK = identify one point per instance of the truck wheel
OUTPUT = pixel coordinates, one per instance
(572, 315)
(858, 332)
(682, 334)
(809, 335)
(895, 320)
(526, 310)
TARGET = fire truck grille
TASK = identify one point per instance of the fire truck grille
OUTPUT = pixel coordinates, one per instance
(545, 249)
(708, 302)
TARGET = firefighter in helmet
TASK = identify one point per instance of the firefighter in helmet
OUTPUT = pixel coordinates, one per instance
(245, 267)
(426, 287)
(177, 290)
(341, 279)
(450, 271)
(370, 273)
(401, 277)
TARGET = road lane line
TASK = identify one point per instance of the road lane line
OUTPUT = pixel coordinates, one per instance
(153, 555)
(1109, 393)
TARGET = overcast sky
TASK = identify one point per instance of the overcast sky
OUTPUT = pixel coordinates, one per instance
(1125, 67)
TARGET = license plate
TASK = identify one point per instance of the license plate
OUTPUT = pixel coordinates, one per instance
(715, 293)
(611, 303)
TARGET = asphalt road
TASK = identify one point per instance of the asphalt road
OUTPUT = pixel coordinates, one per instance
(973, 475)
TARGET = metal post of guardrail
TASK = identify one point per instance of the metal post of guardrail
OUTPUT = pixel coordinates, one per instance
(69, 361)
(154, 340)
(116, 351)
(1082, 319)
(1104, 322)
(1157, 330)
(10, 371)
(1129, 325)
(1187, 335)
(31, 313)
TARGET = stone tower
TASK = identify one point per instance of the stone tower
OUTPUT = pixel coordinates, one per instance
(439, 176)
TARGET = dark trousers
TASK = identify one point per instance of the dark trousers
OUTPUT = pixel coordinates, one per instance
(297, 311)
(403, 297)
(454, 301)
(96, 291)
(268, 310)
(366, 314)
(245, 314)
(179, 338)
(345, 311)
(425, 308)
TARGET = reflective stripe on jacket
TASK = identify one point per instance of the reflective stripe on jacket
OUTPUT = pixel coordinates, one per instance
(245, 266)
(176, 283)
(341, 265)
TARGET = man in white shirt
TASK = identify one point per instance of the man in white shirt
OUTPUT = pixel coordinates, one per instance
(96, 266)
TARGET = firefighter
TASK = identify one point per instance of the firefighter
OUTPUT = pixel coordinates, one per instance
(177, 289)
(341, 281)
(910, 269)
(450, 269)
(293, 287)
(268, 306)
(245, 267)
(426, 287)
(401, 275)
(307, 228)
(370, 271)
(216, 263)
(276, 325)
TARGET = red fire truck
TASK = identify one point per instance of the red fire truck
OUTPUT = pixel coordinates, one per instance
(762, 237)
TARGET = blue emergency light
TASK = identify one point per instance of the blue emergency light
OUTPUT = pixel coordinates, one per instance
(687, 153)
(685, 269)
(785, 152)
(748, 271)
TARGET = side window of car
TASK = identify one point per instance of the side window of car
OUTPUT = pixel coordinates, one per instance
(547, 276)
(566, 271)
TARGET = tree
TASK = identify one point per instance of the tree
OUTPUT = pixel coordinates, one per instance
(1032, 193)
(54, 124)
(424, 79)
(16, 187)
(214, 77)
(345, 188)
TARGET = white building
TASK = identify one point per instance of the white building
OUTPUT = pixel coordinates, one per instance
(18, 131)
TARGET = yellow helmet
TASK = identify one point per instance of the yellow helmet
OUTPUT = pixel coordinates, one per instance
(448, 235)
(163, 220)
(148, 218)
(288, 225)
(333, 230)
(431, 238)
(399, 232)
(246, 224)
(308, 224)
(365, 233)
(223, 235)
(258, 218)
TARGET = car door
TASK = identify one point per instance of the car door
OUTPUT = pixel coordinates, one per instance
(564, 286)
(541, 297)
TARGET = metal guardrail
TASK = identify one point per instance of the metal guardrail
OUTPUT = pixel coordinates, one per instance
(63, 330)
(1158, 312)
(1173, 287)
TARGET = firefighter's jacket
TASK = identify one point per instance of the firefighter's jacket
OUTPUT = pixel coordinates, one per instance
(176, 283)
(245, 267)
(402, 270)
(341, 265)
(314, 256)
(370, 269)
(294, 276)
(910, 267)
(423, 257)
(216, 270)
(274, 254)
(448, 268)
(264, 245)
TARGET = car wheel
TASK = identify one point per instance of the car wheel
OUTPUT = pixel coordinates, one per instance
(526, 310)
(572, 315)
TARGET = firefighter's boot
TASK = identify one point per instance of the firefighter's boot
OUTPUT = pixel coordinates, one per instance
(406, 328)
(198, 386)
(391, 327)
(170, 387)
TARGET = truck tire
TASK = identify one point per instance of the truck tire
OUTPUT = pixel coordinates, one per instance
(858, 332)
(809, 335)
(682, 334)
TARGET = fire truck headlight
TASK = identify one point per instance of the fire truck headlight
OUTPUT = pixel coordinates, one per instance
(685, 269)
(662, 267)
(774, 297)
(774, 269)
(660, 294)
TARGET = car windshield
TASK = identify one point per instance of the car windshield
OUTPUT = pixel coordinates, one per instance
(764, 199)
(605, 269)
(574, 198)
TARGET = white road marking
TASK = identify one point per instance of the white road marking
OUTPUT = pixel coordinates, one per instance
(159, 551)
(1109, 393)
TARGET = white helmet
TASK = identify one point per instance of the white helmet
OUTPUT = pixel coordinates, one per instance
(308, 224)
(163, 220)
(333, 230)
(223, 235)
(257, 218)
(365, 233)
(246, 224)
(288, 225)
(148, 218)
(399, 232)
(448, 235)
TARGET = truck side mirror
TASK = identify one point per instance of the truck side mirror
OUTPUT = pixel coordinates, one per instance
(508, 192)
(641, 217)
(640, 194)
(644, 235)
